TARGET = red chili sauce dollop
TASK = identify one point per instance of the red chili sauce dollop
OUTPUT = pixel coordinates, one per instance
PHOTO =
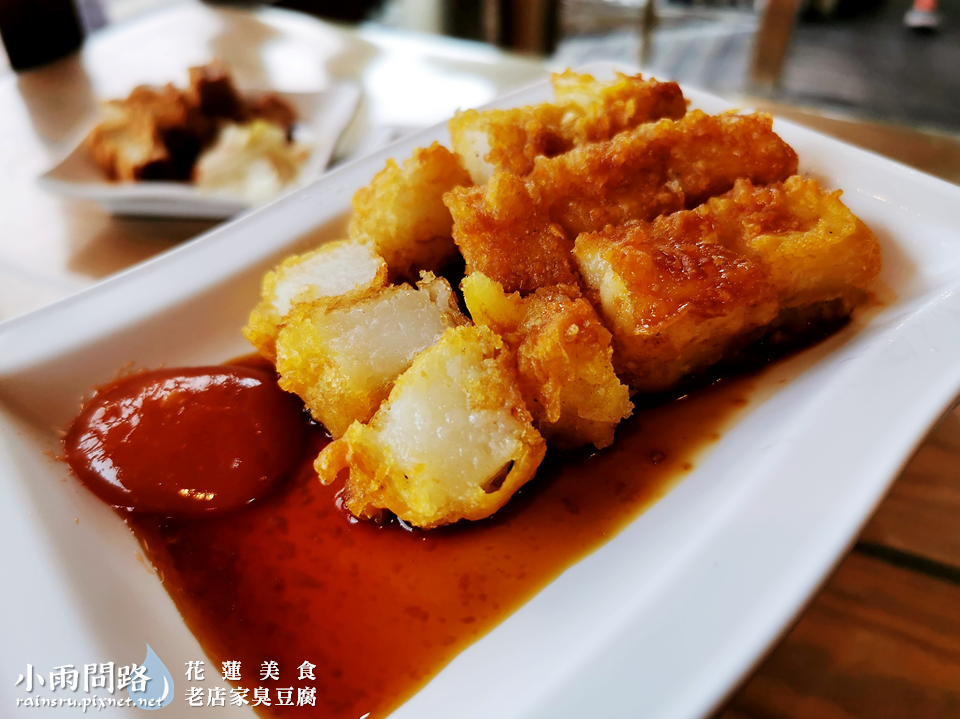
(187, 441)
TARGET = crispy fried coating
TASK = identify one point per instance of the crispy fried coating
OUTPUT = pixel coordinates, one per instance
(402, 212)
(564, 359)
(517, 231)
(157, 133)
(675, 304)
(681, 292)
(344, 269)
(504, 234)
(814, 248)
(585, 110)
(342, 356)
(658, 168)
(453, 441)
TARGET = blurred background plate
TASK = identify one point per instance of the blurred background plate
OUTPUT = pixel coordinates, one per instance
(323, 116)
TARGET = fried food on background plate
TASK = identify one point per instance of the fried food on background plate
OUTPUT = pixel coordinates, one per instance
(158, 133)
(214, 94)
(253, 160)
(153, 134)
(345, 269)
(585, 110)
(402, 213)
(683, 292)
(564, 359)
(519, 231)
(341, 355)
(453, 441)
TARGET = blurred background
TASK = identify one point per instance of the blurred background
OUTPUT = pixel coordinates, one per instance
(848, 57)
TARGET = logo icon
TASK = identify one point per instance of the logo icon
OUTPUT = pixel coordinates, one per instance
(159, 690)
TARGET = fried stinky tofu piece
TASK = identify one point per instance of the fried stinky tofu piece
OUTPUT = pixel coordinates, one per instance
(585, 110)
(659, 168)
(681, 291)
(518, 231)
(453, 441)
(815, 249)
(504, 234)
(402, 212)
(564, 359)
(596, 110)
(344, 269)
(676, 303)
(342, 356)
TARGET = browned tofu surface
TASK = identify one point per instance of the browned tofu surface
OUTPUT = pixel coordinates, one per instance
(683, 291)
(501, 232)
(585, 110)
(657, 169)
(401, 212)
(518, 230)
(674, 303)
(564, 359)
(453, 441)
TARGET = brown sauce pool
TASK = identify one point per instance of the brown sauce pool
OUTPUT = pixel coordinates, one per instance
(381, 610)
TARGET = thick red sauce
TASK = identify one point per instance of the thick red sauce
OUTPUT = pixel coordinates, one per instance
(186, 441)
(380, 610)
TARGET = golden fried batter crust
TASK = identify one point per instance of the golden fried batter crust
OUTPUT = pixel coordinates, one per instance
(681, 292)
(585, 110)
(453, 441)
(517, 231)
(503, 233)
(343, 269)
(341, 355)
(675, 304)
(401, 211)
(814, 248)
(658, 168)
(564, 359)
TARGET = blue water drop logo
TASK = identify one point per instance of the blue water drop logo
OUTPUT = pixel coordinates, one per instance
(158, 692)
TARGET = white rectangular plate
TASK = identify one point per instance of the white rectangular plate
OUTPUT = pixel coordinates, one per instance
(660, 622)
(322, 118)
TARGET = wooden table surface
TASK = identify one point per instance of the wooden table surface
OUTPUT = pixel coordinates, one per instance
(882, 638)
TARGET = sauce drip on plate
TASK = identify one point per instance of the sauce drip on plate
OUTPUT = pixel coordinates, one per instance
(186, 441)
(380, 610)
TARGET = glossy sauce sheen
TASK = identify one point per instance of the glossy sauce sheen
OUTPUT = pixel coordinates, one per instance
(186, 441)
(380, 610)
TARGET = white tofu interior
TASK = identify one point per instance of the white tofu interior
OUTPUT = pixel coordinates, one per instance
(473, 149)
(431, 424)
(599, 274)
(327, 273)
(375, 340)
